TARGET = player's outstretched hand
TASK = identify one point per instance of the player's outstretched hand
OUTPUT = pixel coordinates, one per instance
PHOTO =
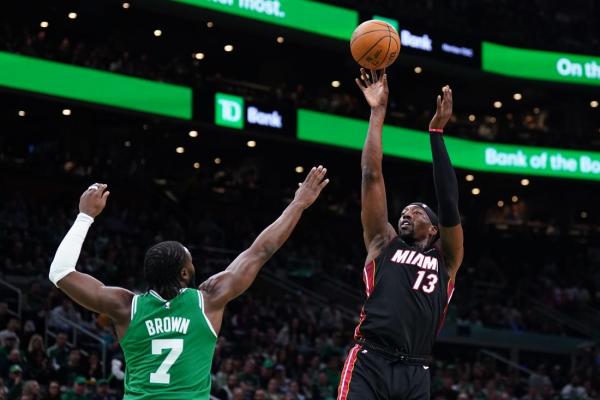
(443, 111)
(93, 200)
(310, 189)
(374, 86)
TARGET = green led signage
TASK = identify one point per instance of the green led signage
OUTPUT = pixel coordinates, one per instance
(305, 15)
(94, 86)
(229, 110)
(542, 65)
(477, 156)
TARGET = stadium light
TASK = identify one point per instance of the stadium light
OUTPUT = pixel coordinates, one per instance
(280, 39)
(217, 161)
(517, 96)
(418, 70)
(335, 84)
(469, 178)
(475, 191)
(157, 32)
(525, 182)
(594, 103)
(228, 48)
(210, 24)
(22, 113)
(66, 112)
(72, 15)
(251, 143)
(500, 203)
(196, 165)
(44, 24)
(199, 56)
(193, 133)
(299, 169)
(127, 143)
(584, 214)
(497, 104)
(515, 199)
(472, 118)
(126, 5)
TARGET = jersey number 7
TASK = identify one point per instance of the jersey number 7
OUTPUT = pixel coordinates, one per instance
(158, 345)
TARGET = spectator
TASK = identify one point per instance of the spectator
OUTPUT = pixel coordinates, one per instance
(12, 330)
(573, 390)
(78, 392)
(31, 389)
(15, 382)
(62, 313)
(102, 392)
(59, 353)
(53, 391)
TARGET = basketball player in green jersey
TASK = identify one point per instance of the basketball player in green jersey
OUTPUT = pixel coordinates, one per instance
(168, 334)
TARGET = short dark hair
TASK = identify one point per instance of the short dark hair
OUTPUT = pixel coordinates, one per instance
(162, 265)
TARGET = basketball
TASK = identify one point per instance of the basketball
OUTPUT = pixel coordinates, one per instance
(375, 44)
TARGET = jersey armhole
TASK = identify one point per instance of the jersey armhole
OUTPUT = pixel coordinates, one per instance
(201, 304)
(134, 302)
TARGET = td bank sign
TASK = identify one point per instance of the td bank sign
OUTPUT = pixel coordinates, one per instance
(230, 111)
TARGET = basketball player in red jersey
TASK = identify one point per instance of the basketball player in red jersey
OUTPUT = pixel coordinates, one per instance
(409, 273)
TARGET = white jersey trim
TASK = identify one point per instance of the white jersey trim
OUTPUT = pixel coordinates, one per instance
(201, 304)
(134, 305)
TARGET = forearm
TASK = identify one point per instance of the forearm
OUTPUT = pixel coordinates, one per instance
(240, 274)
(68, 252)
(372, 153)
(275, 235)
(444, 179)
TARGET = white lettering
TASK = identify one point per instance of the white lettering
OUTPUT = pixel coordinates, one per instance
(230, 110)
(150, 328)
(592, 70)
(175, 323)
(410, 257)
(459, 51)
(418, 260)
(588, 165)
(494, 157)
(430, 263)
(539, 161)
(273, 119)
(167, 324)
(560, 163)
(565, 67)
(400, 256)
(158, 325)
(268, 7)
(184, 325)
(415, 41)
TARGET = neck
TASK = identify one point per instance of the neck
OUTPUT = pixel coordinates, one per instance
(420, 244)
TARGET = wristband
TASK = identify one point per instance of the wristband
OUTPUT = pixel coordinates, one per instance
(436, 130)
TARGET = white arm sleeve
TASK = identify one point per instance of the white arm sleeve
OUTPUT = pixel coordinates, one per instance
(67, 254)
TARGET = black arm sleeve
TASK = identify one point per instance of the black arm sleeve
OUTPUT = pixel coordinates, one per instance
(444, 180)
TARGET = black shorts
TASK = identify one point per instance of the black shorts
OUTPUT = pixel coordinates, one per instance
(368, 375)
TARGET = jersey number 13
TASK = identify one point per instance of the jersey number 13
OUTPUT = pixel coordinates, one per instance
(429, 285)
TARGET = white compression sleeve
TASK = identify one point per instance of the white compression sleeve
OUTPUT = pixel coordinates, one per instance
(68, 252)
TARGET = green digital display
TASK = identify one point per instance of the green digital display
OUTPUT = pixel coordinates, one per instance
(477, 156)
(541, 65)
(89, 85)
(305, 15)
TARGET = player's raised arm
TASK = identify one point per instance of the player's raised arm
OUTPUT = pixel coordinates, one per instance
(239, 275)
(83, 288)
(377, 230)
(446, 186)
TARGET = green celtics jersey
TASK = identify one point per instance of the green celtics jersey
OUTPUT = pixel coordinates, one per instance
(168, 348)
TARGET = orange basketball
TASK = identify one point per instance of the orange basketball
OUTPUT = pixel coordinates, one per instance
(375, 44)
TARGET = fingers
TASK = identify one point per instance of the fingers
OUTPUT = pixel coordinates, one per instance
(365, 77)
(374, 75)
(315, 176)
(105, 195)
(323, 184)
(360, 85)
(439, 102)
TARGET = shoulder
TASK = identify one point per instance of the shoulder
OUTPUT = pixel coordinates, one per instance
(381, 243)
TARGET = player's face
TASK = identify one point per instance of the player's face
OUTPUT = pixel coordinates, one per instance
(414, 224)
